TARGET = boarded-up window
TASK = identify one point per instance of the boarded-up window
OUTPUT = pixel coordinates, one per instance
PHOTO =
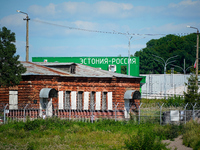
(67, 100)
(13, 99)
(109, 100)
(73, 100)
(86, 100)
(98, 100)
(92, 100)
(80, 100)
(104, 101)
(60, 99)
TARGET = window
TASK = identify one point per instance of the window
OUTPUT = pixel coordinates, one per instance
(13, 99)
(80, 100)
(112, 68)
(104, 101)
(123, 69)
(67, 100)
(92, 100)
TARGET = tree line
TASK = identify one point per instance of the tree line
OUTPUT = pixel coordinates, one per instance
(170, 45)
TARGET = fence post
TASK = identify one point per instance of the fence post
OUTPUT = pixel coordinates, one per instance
(193, 113)
(161, 113)
(115, 111)
(139, 113)
(70, 113)
(4, 110)
(25, 111)
(185, 112)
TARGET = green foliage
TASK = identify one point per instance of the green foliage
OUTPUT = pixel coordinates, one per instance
(175, 101)
(191, 135)
(10, 68)
(144, 140)
(166, 47)
(192, 96)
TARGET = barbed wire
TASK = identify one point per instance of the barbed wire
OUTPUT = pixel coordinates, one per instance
(105, 32)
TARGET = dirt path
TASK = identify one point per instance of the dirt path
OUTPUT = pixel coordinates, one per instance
(177, 143)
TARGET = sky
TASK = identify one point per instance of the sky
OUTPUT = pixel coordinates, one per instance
(61, 28)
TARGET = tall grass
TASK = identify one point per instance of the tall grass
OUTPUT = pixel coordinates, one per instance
(191, 135)
(54, 133)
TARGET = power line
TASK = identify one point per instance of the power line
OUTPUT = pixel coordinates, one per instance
(97, 31)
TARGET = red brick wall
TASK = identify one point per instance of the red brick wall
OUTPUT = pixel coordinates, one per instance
(30, 87)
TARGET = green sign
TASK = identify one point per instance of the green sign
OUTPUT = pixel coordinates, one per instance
(120, 64)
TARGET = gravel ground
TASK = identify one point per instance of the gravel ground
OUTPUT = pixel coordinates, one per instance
(176, 144)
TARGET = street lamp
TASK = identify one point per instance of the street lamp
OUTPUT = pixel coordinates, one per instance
(197, 54)
(27, 45)
(165, 63)
(129, 47)
(184, 70)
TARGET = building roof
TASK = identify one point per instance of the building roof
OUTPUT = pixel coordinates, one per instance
(45, 68)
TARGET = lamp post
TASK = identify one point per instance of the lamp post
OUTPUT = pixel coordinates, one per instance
(184, 70)
(165, 63)
(129, 47)
(27, 43)
(197, 54)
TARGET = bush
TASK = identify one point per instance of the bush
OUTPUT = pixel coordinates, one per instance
(191, 135)
(167, 131)
(144, 140)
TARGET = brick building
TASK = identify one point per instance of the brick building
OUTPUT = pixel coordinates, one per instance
(62, 86)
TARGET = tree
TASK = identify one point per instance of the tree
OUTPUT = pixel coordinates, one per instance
(10, 68)
(192, 96)
(166, 47)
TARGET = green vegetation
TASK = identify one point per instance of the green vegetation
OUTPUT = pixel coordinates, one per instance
(191, 135)
(192, 96)
(54, 133)
(10, 68)
(166, 47)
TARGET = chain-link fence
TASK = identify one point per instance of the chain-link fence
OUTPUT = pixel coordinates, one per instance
(140, 113)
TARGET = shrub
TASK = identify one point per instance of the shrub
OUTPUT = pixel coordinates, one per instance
(191, 135)
(144, 140)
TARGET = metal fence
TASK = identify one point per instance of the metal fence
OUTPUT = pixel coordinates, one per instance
(168, 114)
(140, 113)
(22, 112)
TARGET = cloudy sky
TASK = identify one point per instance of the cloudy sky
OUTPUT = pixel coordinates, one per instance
(61, 28)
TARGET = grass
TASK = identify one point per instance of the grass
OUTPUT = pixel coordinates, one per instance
(62, 134)
(54, 133)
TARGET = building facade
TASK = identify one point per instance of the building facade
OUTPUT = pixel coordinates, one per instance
(80, 88)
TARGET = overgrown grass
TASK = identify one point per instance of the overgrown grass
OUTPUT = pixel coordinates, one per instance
(54, 133)
(191, 135)
(170, 101)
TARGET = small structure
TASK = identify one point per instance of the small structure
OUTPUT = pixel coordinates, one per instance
(75, 87)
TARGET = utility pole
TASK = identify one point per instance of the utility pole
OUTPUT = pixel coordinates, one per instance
(197, 54)
(27, 31)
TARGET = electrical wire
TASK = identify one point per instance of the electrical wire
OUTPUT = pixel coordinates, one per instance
(98, 31)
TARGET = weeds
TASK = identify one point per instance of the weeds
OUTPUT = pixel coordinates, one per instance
(54, 133)
(191, 135)
(144, 140)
